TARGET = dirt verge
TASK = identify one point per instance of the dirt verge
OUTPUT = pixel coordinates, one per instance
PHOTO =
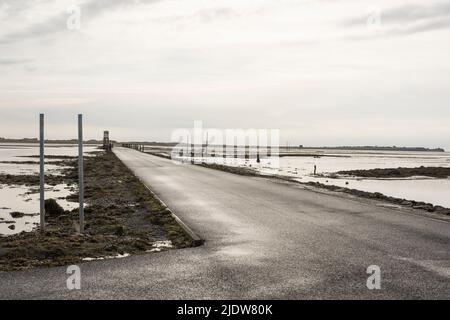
(121, 215)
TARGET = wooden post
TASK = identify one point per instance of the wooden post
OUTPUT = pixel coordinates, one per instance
(42, 172)
(206, 145)
(315, 169)
(258, 160)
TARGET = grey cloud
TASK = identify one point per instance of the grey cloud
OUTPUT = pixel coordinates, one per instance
(89, 10)
(434, 25)
(210, 15)
(414, 13)
(6, 61)
(408, 19)
(428, 26)
(203, 16)
(15, 7)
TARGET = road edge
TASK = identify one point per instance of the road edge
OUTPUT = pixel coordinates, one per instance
(197, 241)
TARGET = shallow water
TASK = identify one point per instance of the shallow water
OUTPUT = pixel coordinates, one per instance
(26, 199)
(435, 191)
(27, 169)
(305, 165)
(19, 199)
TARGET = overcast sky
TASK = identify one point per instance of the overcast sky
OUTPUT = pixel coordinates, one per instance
(323, 72)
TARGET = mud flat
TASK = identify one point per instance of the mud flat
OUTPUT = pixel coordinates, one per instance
(433, 172)
(417, 205)
(122, 217)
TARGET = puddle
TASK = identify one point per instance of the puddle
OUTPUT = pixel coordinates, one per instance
(10, 153)
(26, 199)
(119, 256)
(19, 199)
(160, 245)
(28, 169)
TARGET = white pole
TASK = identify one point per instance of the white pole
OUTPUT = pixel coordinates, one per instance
(42, 171)
(81, 171)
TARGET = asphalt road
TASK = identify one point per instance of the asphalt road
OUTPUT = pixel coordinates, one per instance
(265, 239)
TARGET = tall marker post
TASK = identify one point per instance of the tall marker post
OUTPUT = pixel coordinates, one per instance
(41, 172)
(81, 171)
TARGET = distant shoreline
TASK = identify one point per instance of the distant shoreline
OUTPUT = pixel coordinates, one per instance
(377, 148)
(72, 141)
(295, 147)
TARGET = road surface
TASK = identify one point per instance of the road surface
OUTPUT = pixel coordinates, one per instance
(265, 240)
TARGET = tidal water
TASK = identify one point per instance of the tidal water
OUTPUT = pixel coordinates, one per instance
(301, 168)
(431, 190)
(16, 198)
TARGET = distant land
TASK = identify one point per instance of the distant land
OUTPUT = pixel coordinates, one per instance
(172, 144)
(378, 148)
(292, 147)
(35, 140)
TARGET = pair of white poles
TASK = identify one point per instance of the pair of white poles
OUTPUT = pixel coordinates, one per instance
(80, 171)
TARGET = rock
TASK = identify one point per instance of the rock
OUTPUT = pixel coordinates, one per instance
(52, 208)
(12, 227)
(16, 215)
